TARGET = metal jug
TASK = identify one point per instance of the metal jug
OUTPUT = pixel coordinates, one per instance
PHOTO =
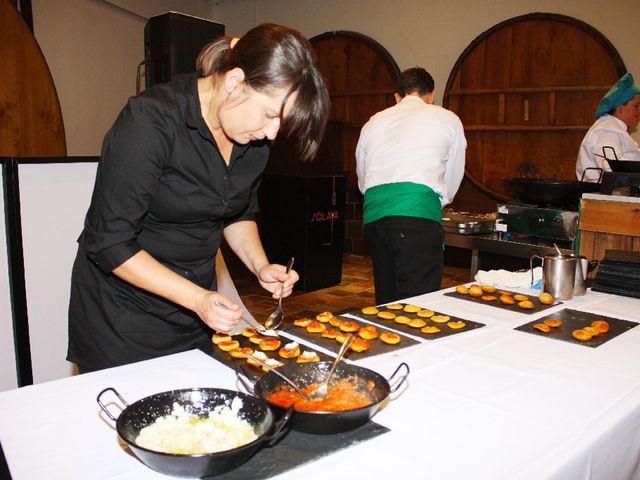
(580, 283)
(558, 275)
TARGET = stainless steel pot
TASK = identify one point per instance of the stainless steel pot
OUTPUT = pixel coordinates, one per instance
(558, 274)
(580, 283)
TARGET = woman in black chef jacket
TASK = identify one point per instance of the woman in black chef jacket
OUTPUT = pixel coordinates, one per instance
(180, 168)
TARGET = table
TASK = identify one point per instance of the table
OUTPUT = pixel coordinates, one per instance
(493, 403)
(493, 243)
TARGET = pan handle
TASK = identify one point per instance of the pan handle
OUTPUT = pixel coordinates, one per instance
(600, 173)
(402, 379)
(279, 428)
(243, 379)
(607, 148)
(104, 407)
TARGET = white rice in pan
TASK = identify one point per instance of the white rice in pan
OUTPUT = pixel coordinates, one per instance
(181, 433)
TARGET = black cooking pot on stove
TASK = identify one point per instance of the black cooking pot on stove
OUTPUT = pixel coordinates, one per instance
(377, 387)
(198, 402)
(551, 193)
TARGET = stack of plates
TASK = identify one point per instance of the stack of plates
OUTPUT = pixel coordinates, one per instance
(619, 273)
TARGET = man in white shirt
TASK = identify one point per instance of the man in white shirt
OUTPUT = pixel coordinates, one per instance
(618, 111)
(409, 162)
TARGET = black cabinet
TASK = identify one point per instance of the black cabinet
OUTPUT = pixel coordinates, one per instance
(303, 216)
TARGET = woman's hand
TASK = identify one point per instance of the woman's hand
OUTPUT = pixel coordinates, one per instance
(273, 278)
(218, 312)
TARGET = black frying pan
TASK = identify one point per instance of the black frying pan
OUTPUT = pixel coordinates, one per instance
(624, 166)
(551, 193)
(198, 402)
(304, 374)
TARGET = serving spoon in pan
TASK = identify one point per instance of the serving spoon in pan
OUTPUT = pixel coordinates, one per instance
(321, 391)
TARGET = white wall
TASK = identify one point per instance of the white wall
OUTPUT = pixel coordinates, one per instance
(92, 49)
(151, 8)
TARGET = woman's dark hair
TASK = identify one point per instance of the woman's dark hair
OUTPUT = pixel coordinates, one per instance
(274, 56)
(415, 80)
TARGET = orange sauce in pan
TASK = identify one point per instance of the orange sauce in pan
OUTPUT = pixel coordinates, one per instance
(341, 396)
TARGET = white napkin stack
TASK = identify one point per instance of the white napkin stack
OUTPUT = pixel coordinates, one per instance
(504, 278)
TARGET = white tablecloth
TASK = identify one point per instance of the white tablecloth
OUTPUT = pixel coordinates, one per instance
(493, 403)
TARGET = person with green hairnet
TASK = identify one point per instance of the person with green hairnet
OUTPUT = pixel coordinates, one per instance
(617, 113)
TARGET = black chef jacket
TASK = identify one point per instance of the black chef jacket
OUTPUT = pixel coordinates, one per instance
(163, 187)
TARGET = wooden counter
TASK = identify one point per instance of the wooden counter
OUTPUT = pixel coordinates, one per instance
(608, 223)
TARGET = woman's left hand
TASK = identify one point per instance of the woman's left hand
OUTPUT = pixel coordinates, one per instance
(273, 278)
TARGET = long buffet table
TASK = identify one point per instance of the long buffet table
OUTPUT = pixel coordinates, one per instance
(492, 403)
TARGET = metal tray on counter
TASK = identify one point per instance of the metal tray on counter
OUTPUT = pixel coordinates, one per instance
(445, 329)
(575, 319)
(465, 223)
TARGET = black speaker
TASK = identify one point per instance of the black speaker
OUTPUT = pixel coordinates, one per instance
(172, 42)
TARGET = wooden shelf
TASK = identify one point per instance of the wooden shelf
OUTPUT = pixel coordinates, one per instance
(546, 89)
(526, 128)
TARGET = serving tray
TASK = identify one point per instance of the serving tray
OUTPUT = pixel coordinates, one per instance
(297, 448)
(251, 370)
(445, 330)
(378, 347)
(537, 306)
(574, 319)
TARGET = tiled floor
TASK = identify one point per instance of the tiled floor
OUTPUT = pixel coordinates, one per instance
(354, 292)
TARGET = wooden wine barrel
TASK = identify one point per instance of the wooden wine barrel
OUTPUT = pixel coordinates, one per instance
(30, 116)
(526, 91)
(361, 76)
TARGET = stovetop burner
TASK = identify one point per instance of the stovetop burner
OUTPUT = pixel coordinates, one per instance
(534, 240)
(515, 203)
(539, 223)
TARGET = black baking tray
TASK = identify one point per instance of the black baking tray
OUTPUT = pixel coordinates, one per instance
(574, 319)
(252, 371)
(297, 448)
(378, 347)
(445, 331)
(537, 306)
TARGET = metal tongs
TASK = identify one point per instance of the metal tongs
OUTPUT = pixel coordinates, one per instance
(258, 326)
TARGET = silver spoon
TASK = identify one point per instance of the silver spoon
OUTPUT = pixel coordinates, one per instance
(258, 326)
(557, 249)
(276, 318)
(281, 375)
(320, 393)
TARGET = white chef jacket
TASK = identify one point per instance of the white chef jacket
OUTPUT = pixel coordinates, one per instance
(412, 141)
(606, 131)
